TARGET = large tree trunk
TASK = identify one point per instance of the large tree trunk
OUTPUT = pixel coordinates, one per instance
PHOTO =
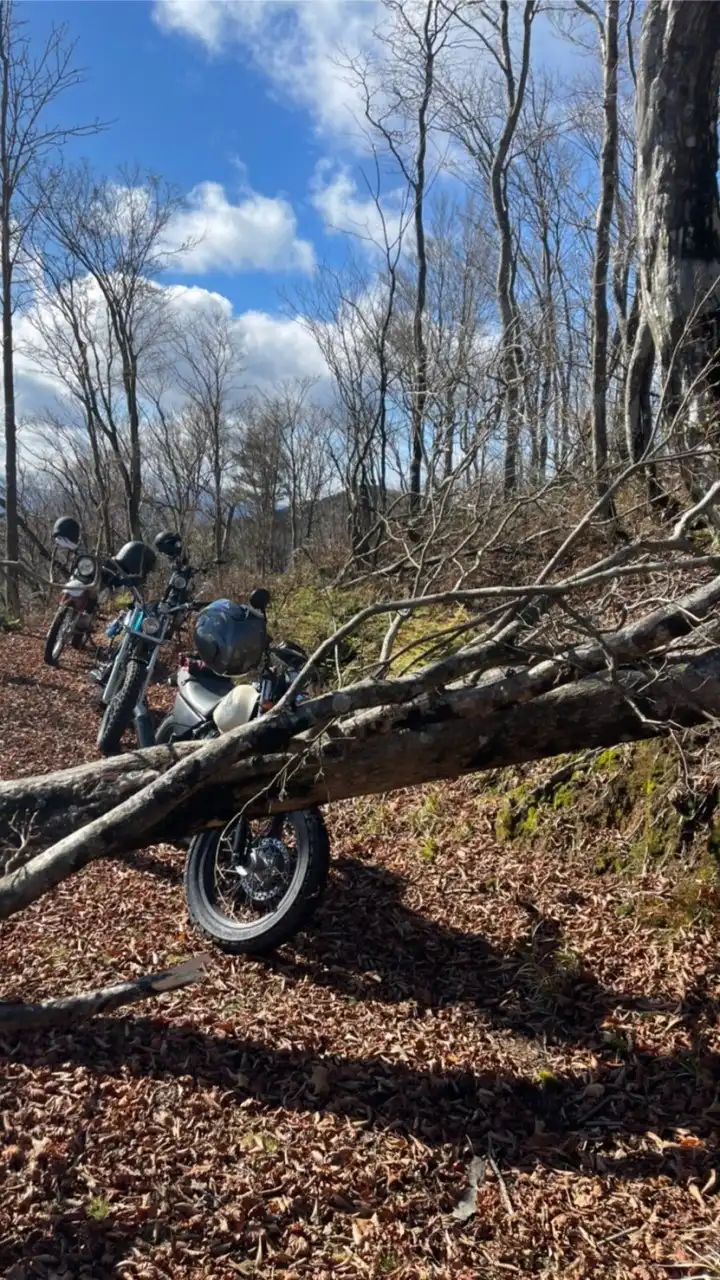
(12, 532)
(441, 736)
(677, 206)
(388, 734)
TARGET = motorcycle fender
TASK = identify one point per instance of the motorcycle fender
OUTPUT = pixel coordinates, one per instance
(74, 596)
(184, 716)
(236, 708)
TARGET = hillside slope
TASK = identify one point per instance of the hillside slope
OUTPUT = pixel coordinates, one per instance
(529, 977)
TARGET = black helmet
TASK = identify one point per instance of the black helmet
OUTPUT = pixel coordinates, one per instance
(168, 544)
(66, 533)
(136, 559)
(230, 638)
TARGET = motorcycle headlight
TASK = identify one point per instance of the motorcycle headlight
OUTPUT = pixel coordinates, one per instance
(179, 581)
(85, 568)
(150, 626)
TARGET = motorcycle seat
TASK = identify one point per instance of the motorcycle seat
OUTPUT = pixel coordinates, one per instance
(203, 691)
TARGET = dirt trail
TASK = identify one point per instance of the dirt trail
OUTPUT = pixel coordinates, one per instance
(317, 1116)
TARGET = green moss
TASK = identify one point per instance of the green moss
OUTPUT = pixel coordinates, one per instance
(505, 822)
(547, 1079)
(529, 824)
(608, 861)
(564, 796)
(429, 848)
(693, 898)
(98, 1208)
(607, 759)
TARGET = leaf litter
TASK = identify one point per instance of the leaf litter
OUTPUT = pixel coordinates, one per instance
(318, 1115)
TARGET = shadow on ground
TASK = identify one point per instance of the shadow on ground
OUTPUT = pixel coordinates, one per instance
(367, 945)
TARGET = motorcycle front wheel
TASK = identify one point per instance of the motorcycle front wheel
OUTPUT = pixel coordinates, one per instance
(61, 630)
(119, 712)
(253, 885)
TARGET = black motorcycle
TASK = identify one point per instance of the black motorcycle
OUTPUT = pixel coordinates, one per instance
(125, 679)
(251, 885)
(88, 585)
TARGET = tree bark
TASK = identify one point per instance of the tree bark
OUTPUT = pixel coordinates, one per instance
(443, 736)
(12, 531)
(511, 350)
(677, 204)
(439, 730)
(608, 181)
(420, 389)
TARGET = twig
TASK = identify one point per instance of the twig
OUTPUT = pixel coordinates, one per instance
(509, 1207)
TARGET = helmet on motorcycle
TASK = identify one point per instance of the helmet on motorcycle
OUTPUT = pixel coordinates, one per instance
(230, 638)
(168, 544)
(136, 559)
(66, 533)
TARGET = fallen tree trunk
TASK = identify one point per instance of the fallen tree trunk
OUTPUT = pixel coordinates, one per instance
(440, 736)
(437, 730)
(36, 812)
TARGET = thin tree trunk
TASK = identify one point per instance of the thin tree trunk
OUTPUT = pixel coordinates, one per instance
(511, 357)
(12, 528)
(608, 183)
(420, 389)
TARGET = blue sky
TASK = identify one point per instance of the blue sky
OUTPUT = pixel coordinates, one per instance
(240, 104)
(190, 114)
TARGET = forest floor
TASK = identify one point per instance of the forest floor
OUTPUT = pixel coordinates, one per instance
(462, 1008)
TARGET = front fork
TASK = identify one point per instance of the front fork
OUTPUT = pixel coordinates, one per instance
(143, 723)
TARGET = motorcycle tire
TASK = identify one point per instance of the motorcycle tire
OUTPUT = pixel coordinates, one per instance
(61, 630)
(295, 909)
(119, 712)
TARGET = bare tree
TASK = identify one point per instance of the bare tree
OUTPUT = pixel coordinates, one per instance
(176, 455)
(351, 320)
(608, 33)
(114, 231)
(400, 115)
(30, 83)
(208, 364)
(487, 131)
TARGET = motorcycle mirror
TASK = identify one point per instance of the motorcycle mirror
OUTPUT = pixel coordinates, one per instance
(259, 599)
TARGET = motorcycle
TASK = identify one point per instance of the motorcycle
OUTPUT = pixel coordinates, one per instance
(145, 627)
(252, 885)
(88, 585)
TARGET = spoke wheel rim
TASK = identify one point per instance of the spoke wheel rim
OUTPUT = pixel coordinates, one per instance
(255, 868)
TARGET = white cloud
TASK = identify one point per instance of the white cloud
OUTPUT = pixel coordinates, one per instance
(303, 47)
(277, 349)
(272, 349)
(346, 209)
(258, 233)
(300, 45)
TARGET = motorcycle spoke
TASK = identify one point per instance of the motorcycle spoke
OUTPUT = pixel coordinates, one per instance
(253, 886)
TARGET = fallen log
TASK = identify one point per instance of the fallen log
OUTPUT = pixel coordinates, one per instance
(441, 735)
(37, 812)
(392, 733)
